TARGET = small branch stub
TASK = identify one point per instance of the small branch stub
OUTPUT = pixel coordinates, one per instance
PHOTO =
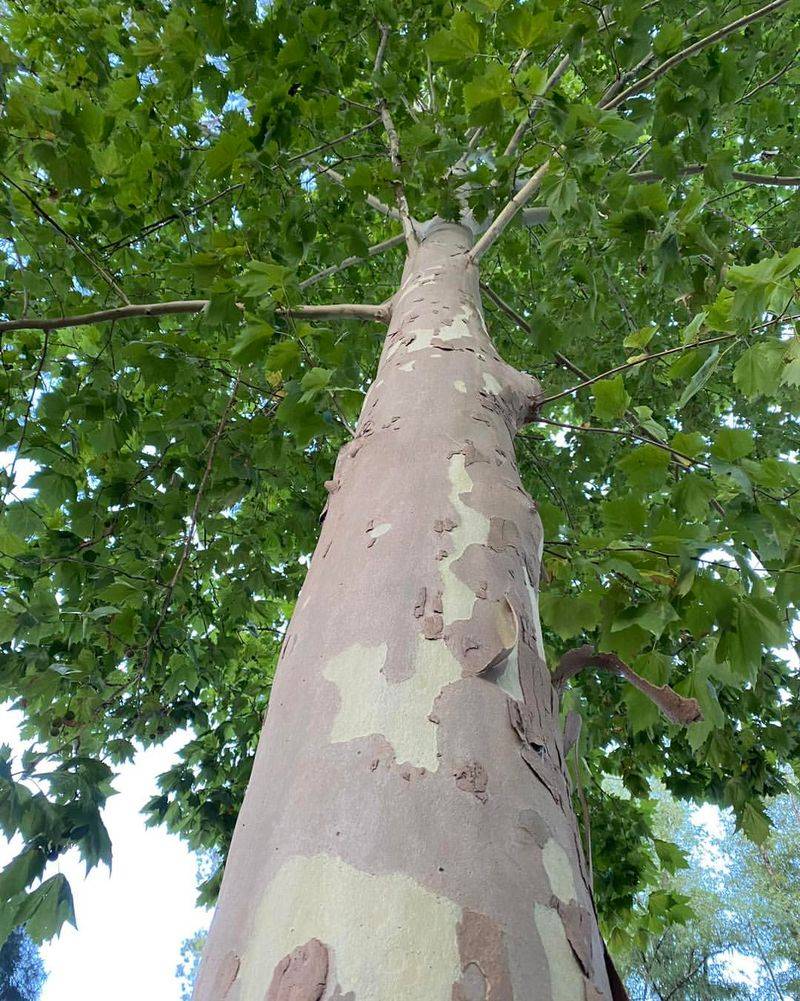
(676, 708)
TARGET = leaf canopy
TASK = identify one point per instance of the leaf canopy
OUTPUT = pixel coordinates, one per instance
(165, 474)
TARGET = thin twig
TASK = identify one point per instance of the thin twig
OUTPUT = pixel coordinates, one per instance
(25, 420)
(371, 200)
(373, 251)
(649, 439)
(111, 248)
(523, 324)
(104, 274)
(649, 176)
(768, 81)
(632, 364)
(189, 534)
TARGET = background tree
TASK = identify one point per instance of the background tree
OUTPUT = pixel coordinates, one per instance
(234, 160)
(22, 973)
(741, 911)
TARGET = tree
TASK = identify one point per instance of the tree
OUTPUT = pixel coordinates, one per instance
(742, 904)
(22, 973)
(617, 185)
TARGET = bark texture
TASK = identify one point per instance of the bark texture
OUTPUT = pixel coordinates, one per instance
(407, 834)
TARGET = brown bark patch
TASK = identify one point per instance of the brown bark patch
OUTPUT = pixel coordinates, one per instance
(472, 777)
(302, 975)
(227, 972)
(482, 952)
(578, 928)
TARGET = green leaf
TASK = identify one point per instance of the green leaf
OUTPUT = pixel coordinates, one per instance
(251, 342)
(461, 41)
(313, 382)
(486, 95)
(44, 911)
(610, 399)
(755, 823)
(758, 371)
(645, 466)
(790, 376)
(719, 169)
(262, 277)
(700, 378)
(640, 338)
(731, 444)
(569, 615)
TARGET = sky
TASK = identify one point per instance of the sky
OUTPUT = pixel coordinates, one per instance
(132, 921)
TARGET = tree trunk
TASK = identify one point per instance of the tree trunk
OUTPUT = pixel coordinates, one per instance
(407, 834)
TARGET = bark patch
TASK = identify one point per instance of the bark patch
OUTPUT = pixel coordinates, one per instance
(302, 975)
(472, 777)
(534, 827)
(227, 972)
(484, 961)
(578, 929)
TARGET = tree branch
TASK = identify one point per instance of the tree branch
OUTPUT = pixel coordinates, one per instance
(540, 215)
(523, 324)
(152, 227)
(105, 275)
(691, 50)
(111, 248)
(373, 251)
(394, 152)
(768, 81)
(649, 439)
(507, 213)
(632, 364)
(371, 200)
(334, 311)
(527, 121)
(649, 176)
(676, 708)
(192, 526)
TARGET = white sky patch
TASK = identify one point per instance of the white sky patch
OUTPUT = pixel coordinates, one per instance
(131, 922)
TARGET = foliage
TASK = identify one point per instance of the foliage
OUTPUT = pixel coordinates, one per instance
(186, 972)
(151, 561)
(742, 940)
(22, 973)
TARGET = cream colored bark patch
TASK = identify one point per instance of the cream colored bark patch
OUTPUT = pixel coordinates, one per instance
(508, 678)
(407, 367)
(460, 386)
(559, 871)
(398, 711)
(458, 598)
(566, 979)
(387, 936)
(453, 331)
(491, 385)
(379, 530)
(533, 596)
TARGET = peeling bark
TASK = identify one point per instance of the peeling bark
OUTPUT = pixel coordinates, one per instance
(409, 804)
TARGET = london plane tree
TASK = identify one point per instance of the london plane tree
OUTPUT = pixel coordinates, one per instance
(252, 258)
